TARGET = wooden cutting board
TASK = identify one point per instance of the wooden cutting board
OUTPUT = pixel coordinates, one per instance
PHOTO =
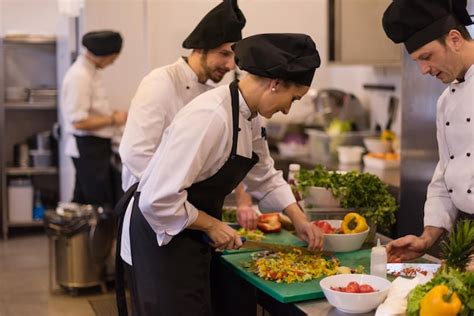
(294, 292)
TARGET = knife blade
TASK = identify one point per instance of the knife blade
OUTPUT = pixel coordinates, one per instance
(259, 245)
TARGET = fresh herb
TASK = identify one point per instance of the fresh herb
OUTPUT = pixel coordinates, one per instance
(229, 215)
(364, 192)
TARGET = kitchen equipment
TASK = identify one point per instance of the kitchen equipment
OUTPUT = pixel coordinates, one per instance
(377, 145)
(259, 245)
(284, 237)
(350, 154)
(21, 155)
(20, 200)
(320, 197)
(293, 292)
(40, 158)
(43, 94)
(330, 104)
(323, 147)
(43, 140)
(392, 110)
(16, 94)
(82, 236)
(343, 242)
(355, 302)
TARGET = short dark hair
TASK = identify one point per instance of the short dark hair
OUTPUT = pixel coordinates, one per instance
(461, 29)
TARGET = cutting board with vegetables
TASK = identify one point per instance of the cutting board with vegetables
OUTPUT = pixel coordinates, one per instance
(284, 237)
(293, 292)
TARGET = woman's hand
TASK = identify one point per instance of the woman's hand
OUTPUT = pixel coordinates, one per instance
(305, 229)
(223, 236)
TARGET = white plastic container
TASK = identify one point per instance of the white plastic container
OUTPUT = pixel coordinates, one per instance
(20, 201)
(378, 261)
(40, 158)
(350, 154)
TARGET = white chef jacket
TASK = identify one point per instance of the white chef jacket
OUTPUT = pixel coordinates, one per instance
(452, 186)
(83, 94)
(194, 147)
(161, 94)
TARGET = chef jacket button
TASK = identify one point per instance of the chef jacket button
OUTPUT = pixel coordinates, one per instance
(469, 191)
(450, 190)
(468, 119)
(187, 87)
(468, 154)
(452, 157)
(453, 90)
(447, 123)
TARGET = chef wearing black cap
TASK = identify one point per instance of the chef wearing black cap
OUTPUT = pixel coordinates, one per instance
(164, 91)
(435, 36)
(89, 120)
(212, 145)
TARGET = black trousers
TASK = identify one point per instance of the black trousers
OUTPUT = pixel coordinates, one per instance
(96, 179)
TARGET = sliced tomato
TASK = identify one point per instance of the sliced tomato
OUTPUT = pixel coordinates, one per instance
(353, 287)
(365, 288)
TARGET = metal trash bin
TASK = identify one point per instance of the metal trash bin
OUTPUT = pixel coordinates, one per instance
(81, 238)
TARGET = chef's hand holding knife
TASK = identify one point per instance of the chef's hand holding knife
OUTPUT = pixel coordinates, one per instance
(304, 228)
(220, 235)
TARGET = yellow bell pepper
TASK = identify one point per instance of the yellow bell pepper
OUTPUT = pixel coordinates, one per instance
(354, 223)
(440, 301)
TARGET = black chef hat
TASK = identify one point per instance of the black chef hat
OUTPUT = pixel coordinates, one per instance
(102, 43)
(418, 22)
(291, 57)
(223, 24)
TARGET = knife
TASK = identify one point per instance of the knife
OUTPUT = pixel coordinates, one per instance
(259, 245)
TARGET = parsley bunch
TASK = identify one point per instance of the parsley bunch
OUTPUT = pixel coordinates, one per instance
(364, 192)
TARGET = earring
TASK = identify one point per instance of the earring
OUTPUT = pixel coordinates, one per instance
(273, 89)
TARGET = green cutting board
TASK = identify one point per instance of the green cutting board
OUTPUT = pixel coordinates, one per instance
(294, 292)
(284, 237)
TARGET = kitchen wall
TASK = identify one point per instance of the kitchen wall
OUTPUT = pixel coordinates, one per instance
(154, 30)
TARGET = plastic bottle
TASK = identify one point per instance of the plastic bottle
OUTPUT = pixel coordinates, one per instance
(293, 170)
(378, 261)
(38, 208)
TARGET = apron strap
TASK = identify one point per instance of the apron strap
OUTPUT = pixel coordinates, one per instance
(119, 212)
(234, 93)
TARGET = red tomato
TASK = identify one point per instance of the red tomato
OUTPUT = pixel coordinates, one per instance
(365, 288)
(353, 287)
(325, 227)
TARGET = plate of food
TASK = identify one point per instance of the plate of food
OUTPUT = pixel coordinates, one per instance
(410, 270)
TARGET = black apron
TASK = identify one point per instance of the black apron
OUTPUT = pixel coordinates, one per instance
(175, 279)
(95, 181)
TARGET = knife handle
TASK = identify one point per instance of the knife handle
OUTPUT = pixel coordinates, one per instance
(207, 240)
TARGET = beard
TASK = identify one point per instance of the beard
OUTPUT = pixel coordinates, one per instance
(214, 73)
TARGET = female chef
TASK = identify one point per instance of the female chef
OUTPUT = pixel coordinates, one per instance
(211, 145)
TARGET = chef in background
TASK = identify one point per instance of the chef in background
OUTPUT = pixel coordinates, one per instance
(90, 122)
(212, 144)
(435, 36)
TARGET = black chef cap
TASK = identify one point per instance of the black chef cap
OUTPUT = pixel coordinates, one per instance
(291, 57)
(223, 24)
(102, 43)
(418, 22)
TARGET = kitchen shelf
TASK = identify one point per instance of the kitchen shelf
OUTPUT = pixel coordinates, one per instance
(31, 223)
(30, 39)
(31, 106)
(31, 171)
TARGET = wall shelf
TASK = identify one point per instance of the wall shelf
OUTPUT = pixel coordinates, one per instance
(30, 106)
(31, 171)
(31, 223)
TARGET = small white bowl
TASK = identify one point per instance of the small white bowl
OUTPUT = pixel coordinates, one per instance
(350, 154)
(354, 303)
(376, 145)
(343, 242)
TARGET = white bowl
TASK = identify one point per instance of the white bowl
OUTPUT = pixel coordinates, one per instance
(354, 303)
(320, 197)
(350, 154)
(343, 242)
(376, 145)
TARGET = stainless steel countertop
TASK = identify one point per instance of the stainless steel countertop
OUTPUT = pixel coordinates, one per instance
(322, 308)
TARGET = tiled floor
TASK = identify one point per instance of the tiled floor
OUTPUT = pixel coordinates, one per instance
(24, 281)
